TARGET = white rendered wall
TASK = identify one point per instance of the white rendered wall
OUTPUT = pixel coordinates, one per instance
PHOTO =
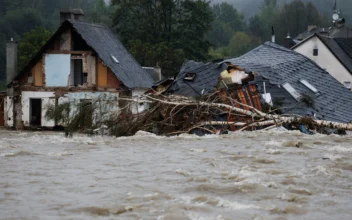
(46, 97)
(9, 111)
(325, 59)
(105, 103)
(139, 106)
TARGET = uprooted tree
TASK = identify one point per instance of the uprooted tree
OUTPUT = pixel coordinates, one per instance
(172, 115)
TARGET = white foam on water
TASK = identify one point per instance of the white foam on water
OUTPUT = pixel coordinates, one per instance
(183, 172)
(274, 151)
(59, 154)
(234, 205)
(341, 149)
(273, 143)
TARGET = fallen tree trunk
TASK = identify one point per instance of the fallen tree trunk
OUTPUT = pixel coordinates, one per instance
(270, 119)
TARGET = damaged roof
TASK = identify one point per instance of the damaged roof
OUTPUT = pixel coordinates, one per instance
(205, 78)
(108, 48)
(277, 66)
(114, 55)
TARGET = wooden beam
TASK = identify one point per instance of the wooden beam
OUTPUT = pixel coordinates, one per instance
(69, 52)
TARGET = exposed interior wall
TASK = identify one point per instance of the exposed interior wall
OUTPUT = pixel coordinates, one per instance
(102, 74)
(113, 82)
(37, 73)
(89, 66)
(66, 40)
(48, 98)
(325, 59)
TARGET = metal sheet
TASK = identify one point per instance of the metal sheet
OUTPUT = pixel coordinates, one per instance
(57, 69)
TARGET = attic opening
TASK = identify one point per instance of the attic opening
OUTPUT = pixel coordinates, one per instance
(79, 76)
(78, 44)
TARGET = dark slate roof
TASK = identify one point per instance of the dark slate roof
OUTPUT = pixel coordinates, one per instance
(278, 65)
(106, 44)
(341, 48)
(207, 75)
(334, 32)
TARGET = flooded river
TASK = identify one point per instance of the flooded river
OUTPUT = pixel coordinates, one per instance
(246, 175)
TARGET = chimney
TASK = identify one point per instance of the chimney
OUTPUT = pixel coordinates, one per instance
(288, 42)
(69, 13)
(11, 60)
(272, 34)
(157, 72)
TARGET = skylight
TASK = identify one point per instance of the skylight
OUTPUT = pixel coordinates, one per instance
(293, 92)
(114, 58)
(308, 85)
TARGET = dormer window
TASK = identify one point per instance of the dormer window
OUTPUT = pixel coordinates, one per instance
(190, 76)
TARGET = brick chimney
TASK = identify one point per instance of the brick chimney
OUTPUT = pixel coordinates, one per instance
(11, 60)
(69, 13)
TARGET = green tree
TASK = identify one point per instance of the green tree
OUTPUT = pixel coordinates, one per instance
(31, 43)
(227, 21)
(178, 26)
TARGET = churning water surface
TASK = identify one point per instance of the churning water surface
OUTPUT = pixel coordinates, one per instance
(245, 175)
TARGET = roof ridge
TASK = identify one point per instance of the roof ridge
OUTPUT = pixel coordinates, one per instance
(88, 23)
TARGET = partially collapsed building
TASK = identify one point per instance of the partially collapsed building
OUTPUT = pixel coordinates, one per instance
(270, 75)
(81, 62)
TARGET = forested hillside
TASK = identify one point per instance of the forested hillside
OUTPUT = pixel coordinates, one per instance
(166, 32)
(252, 7)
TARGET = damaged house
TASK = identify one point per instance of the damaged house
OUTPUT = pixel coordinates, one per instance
(80, 63)
(270, 77)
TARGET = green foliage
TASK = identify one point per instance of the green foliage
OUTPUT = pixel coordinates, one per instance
(31, 43)
(170, 27)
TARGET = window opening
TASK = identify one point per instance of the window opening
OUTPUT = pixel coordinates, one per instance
(292, 91)
(308, 85)
(315, 52)
(190, 76)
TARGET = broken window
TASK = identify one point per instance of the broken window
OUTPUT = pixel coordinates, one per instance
(57, 69)
(80, 77)
(190, 76)
(292, 91)
(308, 85)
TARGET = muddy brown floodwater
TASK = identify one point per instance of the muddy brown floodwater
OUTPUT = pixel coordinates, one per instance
(245, 175)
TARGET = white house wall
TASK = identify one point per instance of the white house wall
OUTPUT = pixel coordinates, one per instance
(105, 103)
(325, 59)
(48, 98)
(139, 106)
(9, 111)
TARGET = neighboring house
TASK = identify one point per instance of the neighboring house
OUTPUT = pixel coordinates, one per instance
(332, 54)
(288, 80)
(81, 62)
(333, 32)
